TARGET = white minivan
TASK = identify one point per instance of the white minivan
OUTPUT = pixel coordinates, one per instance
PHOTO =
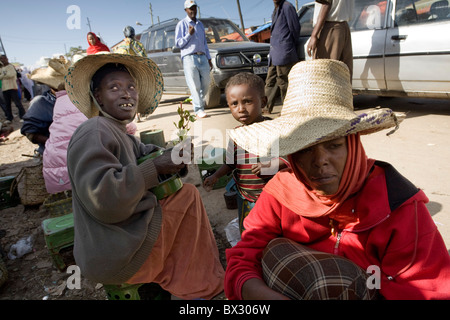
(400, 47)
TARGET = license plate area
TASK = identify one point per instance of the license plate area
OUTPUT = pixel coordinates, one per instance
(260, 70)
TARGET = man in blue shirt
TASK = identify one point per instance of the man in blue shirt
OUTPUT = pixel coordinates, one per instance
(285, 30)
(191, 39)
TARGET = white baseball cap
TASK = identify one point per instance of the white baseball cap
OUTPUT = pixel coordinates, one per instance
(189, 3)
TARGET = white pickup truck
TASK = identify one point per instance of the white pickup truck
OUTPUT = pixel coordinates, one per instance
(400, 47)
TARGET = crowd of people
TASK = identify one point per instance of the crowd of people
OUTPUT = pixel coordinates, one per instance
(315, 211)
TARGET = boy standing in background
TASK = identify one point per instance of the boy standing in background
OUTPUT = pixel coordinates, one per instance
(246, 99)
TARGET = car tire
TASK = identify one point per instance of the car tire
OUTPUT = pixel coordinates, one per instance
(212, 98)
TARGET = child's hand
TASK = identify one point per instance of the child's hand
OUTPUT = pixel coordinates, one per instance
(256, 168)
(209, 183)
(273, 166)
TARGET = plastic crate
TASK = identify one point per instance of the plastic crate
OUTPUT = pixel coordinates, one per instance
(207, 166)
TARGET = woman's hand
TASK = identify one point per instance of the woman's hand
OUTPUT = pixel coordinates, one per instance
(165, 165)
(175, 159)
(256, 289)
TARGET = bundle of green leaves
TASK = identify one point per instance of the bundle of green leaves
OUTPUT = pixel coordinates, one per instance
(184, 123)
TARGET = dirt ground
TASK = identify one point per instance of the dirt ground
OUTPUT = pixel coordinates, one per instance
(33, 276)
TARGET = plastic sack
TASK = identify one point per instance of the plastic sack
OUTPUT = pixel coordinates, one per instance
(232, 232)
(21, 248)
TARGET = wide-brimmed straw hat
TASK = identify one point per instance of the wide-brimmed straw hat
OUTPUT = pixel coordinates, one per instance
(53, 75)
(146, 73)
(318, 107)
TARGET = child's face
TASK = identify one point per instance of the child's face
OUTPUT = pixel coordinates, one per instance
(245, 103)
(117, 95)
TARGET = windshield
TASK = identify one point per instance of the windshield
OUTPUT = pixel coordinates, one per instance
(222, 31)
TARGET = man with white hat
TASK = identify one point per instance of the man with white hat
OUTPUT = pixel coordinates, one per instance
(191, 39)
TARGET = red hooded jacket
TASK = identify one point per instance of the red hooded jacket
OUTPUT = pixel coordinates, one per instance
(395, 232)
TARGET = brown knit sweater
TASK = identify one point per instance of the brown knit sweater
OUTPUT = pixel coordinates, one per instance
(117, 220)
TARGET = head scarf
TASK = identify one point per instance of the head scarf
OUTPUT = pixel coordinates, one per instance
(98, 47)
(291, 188)
(129, 32)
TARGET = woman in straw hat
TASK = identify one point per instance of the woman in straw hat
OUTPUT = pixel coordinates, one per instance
(123, 234)
(321, 228)
(51, 121)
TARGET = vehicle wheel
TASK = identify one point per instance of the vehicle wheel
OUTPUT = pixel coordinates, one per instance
(212, 98)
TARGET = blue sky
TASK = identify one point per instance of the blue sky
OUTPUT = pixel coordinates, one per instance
(31, 29)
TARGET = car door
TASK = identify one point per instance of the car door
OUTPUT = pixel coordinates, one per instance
(160, 49)
(418, 48)
(368, 29)
(174, 72)
(156, 49)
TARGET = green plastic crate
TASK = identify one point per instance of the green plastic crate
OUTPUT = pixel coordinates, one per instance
(208, 166)
(58, 234)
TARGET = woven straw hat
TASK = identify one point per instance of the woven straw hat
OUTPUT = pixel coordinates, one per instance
(53, 75)
(148, 77)
(318, 107)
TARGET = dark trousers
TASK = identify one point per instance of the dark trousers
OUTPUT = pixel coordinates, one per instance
(2, 102)
(277, 79)
(12, 96)
(335, 42)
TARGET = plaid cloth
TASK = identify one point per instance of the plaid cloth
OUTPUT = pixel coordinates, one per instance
(301, 273)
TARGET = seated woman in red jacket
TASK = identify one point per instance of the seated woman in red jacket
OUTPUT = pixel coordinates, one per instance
(337, 225)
